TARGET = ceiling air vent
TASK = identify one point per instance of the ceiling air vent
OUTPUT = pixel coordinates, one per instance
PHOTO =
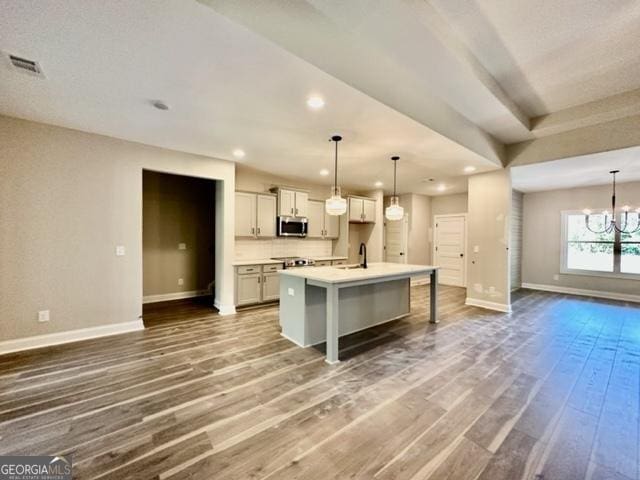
(25, 65)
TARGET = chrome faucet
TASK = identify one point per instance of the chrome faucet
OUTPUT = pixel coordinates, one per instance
(363, 252)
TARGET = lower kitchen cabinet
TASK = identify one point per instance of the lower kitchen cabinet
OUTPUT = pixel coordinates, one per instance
(248, 288)
(257, 284)
(270, 287)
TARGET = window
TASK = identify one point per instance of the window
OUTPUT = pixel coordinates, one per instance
(588, 253)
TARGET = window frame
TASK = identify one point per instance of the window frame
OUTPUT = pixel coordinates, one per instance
(564, 243)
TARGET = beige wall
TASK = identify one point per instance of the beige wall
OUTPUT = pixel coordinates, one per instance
(254, 180)
(177, 209)
(449, 204)
(67, 199)
(418, 208)
(541, 235)
(488, 230)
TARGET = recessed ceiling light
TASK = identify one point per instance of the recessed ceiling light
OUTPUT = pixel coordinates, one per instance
(160, 105)
(469, 169)
(324, 172)
(441, 188)
(315, 102)
(238, 153)
(378, 184)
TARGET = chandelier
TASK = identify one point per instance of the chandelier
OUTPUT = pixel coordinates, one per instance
(610, 224)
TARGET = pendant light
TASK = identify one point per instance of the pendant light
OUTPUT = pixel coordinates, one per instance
(394, 211)
(335, 205)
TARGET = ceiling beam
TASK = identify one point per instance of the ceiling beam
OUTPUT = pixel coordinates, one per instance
(599, 111)
(600, 137)
(385, 50)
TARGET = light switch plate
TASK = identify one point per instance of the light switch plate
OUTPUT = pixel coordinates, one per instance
(43, 316)
(476, 249)
(180, 281)
(182, 246)
(120, 251)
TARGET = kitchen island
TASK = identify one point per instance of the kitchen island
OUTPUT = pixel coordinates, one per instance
(321, 304)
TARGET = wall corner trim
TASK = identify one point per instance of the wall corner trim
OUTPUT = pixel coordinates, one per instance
(625, 297)
(39, 341)
(224, 309)
(498, 307)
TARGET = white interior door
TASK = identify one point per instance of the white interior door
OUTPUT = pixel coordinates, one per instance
(450, 248)
(396, 237)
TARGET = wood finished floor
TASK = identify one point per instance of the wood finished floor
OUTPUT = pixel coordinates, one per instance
(549, 392)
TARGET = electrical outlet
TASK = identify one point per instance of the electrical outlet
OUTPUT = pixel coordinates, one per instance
(120, 251)
(291, 292)
(476, 249)
(556, 277)
(182, 246)
(181, 281)
(43, 316)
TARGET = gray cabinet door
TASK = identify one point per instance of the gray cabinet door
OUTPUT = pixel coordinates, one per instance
(270, 287)
(248, 289)
(316, 219)
(355, 209)
(302, 203)
(287, 203)
(266, 216)
(369, 211)
(331, 226)
(245, 214)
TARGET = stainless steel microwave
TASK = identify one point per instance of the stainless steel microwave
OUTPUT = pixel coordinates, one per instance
(292, 227)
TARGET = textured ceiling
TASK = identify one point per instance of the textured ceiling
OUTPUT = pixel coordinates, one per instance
(551, 55)
(227, 88)
(580, 171)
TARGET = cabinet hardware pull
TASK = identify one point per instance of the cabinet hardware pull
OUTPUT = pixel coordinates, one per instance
(258, 230)
(253, 231)
(264, 279)
(258, 279)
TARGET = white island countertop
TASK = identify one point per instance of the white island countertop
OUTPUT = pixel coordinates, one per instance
(336, 275)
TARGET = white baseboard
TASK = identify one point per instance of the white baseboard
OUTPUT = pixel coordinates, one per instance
(163, 297)
(628, 297)
(224, 309)
(50, 339)
(499, 307)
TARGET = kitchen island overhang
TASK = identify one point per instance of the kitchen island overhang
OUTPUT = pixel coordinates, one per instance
(321, 304)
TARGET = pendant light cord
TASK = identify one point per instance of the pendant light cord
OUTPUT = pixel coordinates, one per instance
(395, 167)
(335, 170)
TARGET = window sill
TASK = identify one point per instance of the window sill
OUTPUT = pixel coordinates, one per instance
(595, 273)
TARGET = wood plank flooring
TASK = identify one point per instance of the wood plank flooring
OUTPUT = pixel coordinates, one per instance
(551, 391)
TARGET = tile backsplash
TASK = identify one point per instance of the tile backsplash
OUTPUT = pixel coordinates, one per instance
(281, 247)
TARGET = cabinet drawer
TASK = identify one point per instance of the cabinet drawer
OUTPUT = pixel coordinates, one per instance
(245, 269)
(323, 263)
(271, 268)
(339, 262)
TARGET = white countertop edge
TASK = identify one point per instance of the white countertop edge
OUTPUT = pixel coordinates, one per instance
(376, 271)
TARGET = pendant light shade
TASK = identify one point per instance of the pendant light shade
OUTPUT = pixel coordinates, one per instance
(335, 205)
(394, 211)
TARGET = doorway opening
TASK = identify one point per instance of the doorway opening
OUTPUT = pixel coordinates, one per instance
(178, 240)
(396, 240)
(450, 248)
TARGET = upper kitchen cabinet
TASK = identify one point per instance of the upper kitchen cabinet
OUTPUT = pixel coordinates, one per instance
(265, 215)
(320, 224)
(362, 210)
(292, 203)
(245, 214)
(255, 215)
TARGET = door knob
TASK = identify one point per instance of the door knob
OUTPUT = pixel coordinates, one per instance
(462, 254)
